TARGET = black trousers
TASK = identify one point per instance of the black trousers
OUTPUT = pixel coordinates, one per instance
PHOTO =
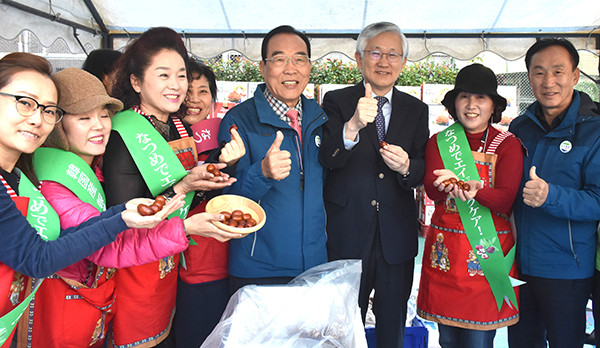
(392, 284)
(199, 309)
(552, 309)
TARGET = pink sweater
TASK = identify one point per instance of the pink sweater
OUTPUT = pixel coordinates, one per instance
(131, 248)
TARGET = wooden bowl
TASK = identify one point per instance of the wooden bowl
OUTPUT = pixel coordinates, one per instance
(230, 203)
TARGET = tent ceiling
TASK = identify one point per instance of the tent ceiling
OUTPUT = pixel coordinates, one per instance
(461, 28)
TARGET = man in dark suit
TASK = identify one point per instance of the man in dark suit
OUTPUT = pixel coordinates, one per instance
(369, 197)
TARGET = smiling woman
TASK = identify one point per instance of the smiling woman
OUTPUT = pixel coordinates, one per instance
(462, 265)
(75, 146)
(28, 112)
(148, 154)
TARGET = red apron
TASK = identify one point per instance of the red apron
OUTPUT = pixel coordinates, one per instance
(66, 313)
(145, 303)
(13, 292)
(206, 261)
(146, 294)
(453, 289)
(12, 284)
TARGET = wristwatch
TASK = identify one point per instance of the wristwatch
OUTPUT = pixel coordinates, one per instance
(169, 193)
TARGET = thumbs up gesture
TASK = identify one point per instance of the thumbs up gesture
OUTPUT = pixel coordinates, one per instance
(365, 113)
(535, 191)
(277, 163)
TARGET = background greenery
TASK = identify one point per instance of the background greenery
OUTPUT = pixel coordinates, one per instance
(334, 71)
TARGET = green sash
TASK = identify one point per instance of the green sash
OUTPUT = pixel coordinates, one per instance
(71, 171)
(40, 213)
(153, 156)
(10, 319)
(44, 219)
(477, 219)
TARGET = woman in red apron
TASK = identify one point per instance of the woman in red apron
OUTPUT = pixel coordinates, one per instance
(472, 172)
(150, 152)
(28, 113)
(74, 306)
(203, 285)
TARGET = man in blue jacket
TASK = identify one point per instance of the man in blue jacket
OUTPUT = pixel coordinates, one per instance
(282, 131)
(558, 208)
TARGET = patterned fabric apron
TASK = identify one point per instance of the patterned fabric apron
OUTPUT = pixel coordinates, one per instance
(453, 290)
(66, 312)
(146, 294)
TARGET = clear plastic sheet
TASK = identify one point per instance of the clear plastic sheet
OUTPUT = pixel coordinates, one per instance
(319, 308)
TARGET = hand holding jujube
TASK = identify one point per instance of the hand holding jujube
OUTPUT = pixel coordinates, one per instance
(147, 210)
(448, 182)
(234, 149)
(466, 191)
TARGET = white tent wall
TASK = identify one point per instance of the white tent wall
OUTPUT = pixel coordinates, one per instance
(420, 48)
(497, 33)
(15, 21)
(461, 29)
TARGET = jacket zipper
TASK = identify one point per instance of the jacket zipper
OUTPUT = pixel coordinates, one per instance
(571, 242)
(299, 152)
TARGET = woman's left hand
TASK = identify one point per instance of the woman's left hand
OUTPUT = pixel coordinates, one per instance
(442, 176)
(474, 187)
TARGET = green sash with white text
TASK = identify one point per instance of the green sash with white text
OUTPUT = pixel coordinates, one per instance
(10, 319)
(40, 213)
(151, 153)
(476, 219)
(71, 171)
(44, 219)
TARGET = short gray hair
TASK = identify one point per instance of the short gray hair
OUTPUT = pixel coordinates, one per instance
(374, 29)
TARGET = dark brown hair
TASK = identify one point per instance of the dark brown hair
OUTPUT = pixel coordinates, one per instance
(544, 43)
(279, 30)
(138, 56)
(196, 69)
(10, 65)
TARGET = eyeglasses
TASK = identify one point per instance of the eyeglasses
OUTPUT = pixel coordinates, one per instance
(27, 106)
(299, 60)
(375, 55)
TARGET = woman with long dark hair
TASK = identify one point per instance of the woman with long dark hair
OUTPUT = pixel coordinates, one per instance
(150, 153)
(28, 113)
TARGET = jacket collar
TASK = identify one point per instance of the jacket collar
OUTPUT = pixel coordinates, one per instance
(266, 115)
(567, 125)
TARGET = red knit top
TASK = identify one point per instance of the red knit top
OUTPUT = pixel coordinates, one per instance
(508, 171)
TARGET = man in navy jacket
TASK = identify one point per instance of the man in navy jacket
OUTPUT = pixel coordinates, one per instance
(558, 208)
(371, 211)
(282, 132)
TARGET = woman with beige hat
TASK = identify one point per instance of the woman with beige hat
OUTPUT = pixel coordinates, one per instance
(32, 243)
(74, 307)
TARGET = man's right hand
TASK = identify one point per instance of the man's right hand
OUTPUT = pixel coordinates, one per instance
(365, 113)
(277, 163)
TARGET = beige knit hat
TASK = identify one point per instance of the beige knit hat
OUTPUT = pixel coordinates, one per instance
(80, 92)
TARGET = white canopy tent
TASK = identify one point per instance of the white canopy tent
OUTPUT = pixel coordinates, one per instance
(461, 29)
